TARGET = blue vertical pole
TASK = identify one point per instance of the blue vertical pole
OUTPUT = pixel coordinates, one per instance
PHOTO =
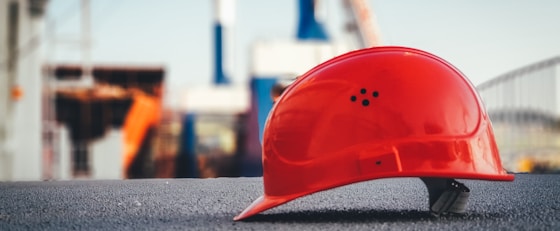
(308, 27)
(219, 75)
(261, 87)
(187, 162)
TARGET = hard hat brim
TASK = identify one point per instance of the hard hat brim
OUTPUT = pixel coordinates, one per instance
(264, 203)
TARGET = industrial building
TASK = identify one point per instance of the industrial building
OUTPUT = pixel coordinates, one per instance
(88, 120)
(524, 106)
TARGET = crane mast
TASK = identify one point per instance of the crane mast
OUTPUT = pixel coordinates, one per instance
(362, 23)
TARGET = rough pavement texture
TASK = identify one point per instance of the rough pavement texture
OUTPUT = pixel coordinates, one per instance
(531, 202)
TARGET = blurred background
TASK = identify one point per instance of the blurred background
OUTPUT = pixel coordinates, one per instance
(104, 89)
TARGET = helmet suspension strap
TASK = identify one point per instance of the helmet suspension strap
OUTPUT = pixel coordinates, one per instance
(446, 196)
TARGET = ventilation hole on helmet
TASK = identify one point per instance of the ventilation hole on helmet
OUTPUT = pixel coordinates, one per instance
(365, 102)
(378, 162)
(353, 98)
(375, 94)
(363, 91)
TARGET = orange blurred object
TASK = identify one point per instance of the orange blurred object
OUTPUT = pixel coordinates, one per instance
(144, 113)
(375, 113)
(17, 92)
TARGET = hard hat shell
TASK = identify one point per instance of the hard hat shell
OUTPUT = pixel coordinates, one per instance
(375, 113)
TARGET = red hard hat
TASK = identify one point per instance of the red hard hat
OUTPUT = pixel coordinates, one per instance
(375, 113)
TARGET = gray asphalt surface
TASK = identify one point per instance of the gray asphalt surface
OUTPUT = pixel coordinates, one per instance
(531, 202)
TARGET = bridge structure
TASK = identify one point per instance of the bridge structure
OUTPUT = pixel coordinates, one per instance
(524, 106)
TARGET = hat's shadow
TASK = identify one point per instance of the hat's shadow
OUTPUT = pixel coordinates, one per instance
(362, 216)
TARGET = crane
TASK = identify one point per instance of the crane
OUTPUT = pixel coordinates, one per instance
(362, 23)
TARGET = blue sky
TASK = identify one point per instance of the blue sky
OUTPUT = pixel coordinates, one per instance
(482, 38)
